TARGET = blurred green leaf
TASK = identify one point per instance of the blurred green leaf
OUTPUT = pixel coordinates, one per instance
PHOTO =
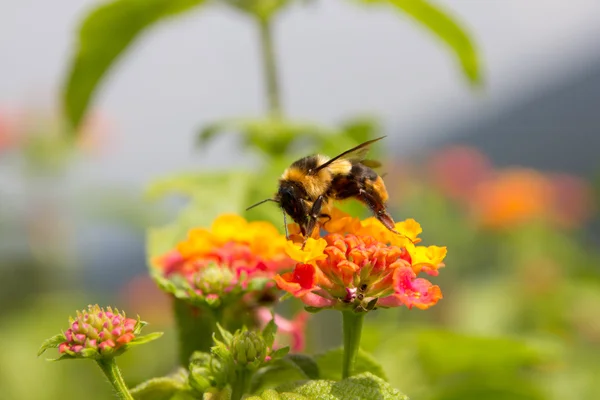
(51, 343)
(330, 364)
(364, 386)
(472, 353)
(446, 28)
(145, 338)
(272, 136)
(164, 388)
(306, 363)
(262, 9)
(104, 35)
(208, 195)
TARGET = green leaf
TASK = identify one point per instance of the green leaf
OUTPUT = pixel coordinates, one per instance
(472, 354)
(330, 364)
(145, 339)
(364, 386)
(51, 343)
(445, 28)
(225, 334)
(164, 388)
(269, 332)
(271, 394)
(305, 363)
(104, 35)
(293, 367)
(209, 194)
(139, 325)
(279, 353)
(272, 136)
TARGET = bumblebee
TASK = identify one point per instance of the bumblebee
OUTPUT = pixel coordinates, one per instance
(308, 186)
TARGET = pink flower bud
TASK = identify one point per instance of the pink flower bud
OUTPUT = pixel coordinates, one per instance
(77, 348)
(63, 347)
(126, 338)
(106, 344)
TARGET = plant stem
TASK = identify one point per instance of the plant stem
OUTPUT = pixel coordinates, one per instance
(195, 327)
(270, 66)
(240, 385)
(113, 373)
(352, 325)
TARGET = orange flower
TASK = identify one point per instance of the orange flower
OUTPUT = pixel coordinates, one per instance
(232, 259)
(367, 267)
(514, 196)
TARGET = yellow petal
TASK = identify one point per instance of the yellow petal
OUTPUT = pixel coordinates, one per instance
(430, 256)
(198, 242)
(229, 227)
(410, 228)
(313, 250)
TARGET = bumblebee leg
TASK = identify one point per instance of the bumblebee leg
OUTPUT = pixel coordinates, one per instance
(323, 215)
(378, 209)
(315, 212)
(287, 235)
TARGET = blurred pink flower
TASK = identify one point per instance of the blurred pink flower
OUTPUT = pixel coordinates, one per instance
(458, 170)
(295, 328)
(572, 200)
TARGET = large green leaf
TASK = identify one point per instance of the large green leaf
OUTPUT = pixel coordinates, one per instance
(330, 364)
(104, 35)
(444, 27)
(364, 386)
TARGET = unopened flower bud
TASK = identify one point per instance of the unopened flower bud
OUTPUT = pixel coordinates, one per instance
(248, 347)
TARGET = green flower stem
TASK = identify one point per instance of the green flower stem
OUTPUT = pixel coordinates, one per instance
(195, 327)
(113, 373)
(240, 386)
(352, 324)
(270, 66)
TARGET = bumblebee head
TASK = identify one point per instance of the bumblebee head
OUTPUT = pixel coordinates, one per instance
(290, 197)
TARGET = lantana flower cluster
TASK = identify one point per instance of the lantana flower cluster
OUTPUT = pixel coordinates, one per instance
(361, 265)
(98, 333)
(218, 265)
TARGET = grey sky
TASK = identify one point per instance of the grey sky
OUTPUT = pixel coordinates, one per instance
(336, 60)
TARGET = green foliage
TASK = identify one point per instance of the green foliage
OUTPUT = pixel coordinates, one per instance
(208, 195)
(262, 9)
(442, 25)
(364, 386)
(105, 34)
(330, 364)
(51, 343)
(438, 364)
(292, 367)
(172, 387)
(273, 395)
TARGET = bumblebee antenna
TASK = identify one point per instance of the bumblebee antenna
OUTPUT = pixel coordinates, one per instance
(261, 202)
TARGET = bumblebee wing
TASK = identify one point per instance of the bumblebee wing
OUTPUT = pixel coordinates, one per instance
(357, 153)
(371, 163)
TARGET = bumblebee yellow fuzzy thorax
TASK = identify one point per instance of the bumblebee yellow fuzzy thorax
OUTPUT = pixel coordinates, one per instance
(302, 172)
(315, 185)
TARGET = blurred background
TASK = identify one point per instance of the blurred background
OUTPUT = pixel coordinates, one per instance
(504, 174)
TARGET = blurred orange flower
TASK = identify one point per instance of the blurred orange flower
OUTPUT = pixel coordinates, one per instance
(231, 259)
(512, 197)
